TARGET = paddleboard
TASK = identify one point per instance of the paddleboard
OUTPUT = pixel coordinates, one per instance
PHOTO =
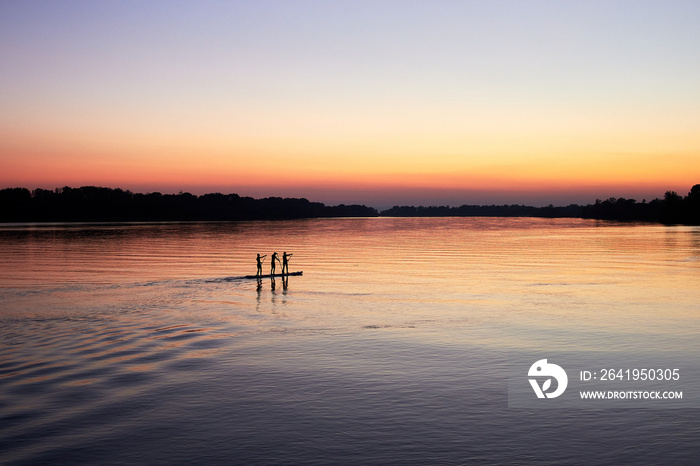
(274, 276)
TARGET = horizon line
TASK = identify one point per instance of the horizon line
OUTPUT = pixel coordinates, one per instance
(379, 209)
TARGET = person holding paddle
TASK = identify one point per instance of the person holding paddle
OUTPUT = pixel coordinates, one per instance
(273, 259)
(285, 262)
(261, 259)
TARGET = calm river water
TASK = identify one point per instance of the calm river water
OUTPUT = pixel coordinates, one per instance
(142, 344)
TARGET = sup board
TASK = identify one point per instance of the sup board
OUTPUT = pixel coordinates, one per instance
(275, 275)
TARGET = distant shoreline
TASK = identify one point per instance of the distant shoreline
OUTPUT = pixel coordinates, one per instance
(90, 204)
(98, 204)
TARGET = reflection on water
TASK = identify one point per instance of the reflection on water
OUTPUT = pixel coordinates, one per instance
(143, 343)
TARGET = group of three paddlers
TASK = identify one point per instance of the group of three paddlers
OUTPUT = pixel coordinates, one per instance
(284, 262)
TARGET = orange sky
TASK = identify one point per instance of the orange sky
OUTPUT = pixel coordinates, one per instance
(339, 107)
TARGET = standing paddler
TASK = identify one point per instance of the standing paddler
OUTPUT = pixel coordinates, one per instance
(285, 262)
(260, 259)
(273, 259)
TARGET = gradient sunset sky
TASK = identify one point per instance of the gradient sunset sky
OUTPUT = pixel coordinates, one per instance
(375, 102)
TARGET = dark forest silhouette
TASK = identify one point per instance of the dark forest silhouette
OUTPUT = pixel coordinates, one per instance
(483, 211)
(98, 204)
(673, 208)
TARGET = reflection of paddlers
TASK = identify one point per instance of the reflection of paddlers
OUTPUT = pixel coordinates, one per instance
(273, 259)
(260, 259)
(285, 262)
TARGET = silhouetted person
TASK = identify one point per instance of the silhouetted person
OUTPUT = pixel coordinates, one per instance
(261, 259)
(273, 259)
(285, 262)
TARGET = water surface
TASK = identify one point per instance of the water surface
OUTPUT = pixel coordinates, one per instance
(141, 343)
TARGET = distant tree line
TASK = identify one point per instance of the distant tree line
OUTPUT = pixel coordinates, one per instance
(673, 208)
(98, 204)
(484, 211)
(90, 203)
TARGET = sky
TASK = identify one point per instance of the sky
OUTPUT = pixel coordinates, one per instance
(373, 102)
